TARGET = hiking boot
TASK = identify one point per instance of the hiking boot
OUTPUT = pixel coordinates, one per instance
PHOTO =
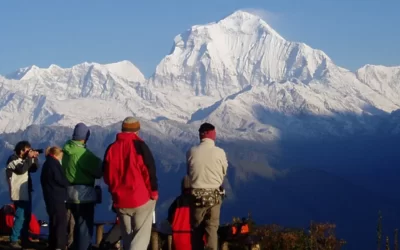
(15, 245)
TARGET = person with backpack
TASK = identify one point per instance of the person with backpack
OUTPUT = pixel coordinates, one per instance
(179, 218)
(207, 168)
(54, 187)
(130, 173)
(81, 168)
(19, 166)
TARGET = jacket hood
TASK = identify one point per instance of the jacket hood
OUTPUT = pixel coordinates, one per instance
(128, 136)
(73, 147)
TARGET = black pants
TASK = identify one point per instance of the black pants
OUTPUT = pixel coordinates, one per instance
(111, 238)
(57, 225)
(84, 225)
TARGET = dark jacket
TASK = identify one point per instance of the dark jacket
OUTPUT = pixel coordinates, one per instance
(129, 171)
(179, 218)
(19, 178)
(53, 180)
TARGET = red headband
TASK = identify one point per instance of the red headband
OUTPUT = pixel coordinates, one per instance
(210, 134)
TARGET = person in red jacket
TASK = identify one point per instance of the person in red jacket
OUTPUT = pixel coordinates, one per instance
(179, 218)
(130, 173)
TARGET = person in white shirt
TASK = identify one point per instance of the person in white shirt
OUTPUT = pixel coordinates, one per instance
(207, 166)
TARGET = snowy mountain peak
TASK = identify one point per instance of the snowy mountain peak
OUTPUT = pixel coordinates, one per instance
(382, 79)
(127, 70)
(247, 22)
(222, 58)
(123, 69)
(24, 73)
(371, 67)
(54, 66)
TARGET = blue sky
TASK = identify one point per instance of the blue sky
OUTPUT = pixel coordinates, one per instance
(351, 32)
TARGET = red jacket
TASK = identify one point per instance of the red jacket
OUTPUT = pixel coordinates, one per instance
(129, 171)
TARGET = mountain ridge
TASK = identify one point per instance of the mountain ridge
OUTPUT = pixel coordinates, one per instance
(281, 109)
(236, 68)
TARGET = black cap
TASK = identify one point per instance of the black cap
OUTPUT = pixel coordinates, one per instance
(206, 127)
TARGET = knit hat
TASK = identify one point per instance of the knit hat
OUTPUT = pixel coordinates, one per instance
(207, 130)
(81, 132)
(130, 124)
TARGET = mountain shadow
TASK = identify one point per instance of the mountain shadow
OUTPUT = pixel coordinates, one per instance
(343, 179)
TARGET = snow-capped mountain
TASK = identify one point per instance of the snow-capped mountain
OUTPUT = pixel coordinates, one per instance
(90, 92)
(238, 73)
(124, 69)
(384, 80)
(259, 90)
(221, 58)
(252, 73)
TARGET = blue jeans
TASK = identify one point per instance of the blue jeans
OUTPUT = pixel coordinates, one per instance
(84, 225)
(23, 210)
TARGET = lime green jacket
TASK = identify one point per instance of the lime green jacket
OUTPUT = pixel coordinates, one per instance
(81, 166)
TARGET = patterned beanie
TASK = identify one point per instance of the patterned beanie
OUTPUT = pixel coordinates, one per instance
(130, 124)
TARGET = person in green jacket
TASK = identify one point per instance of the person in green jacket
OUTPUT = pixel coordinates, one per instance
(82, 168)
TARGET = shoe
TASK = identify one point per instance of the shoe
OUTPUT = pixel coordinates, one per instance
(15, 245)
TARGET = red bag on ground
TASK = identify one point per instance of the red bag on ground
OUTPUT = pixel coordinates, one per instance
(34, 226)
(7, 213)
(181, 229)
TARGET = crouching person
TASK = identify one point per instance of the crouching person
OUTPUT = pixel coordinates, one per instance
(207, 166)
(54, 187)
(179, 218)
(130, 173)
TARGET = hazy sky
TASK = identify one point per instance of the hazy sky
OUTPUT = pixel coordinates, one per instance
(44, 32)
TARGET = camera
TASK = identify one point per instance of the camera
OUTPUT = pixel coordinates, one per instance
(40, 151)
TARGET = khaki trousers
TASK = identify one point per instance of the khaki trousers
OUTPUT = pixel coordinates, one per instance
(206, 220)
(136, 224)
(70, 227)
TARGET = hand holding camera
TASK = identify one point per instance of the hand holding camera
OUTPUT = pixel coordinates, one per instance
(34, 153)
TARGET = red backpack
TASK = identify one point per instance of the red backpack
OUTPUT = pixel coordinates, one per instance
(181, 229)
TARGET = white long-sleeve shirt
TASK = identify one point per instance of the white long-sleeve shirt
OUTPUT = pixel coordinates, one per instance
(207, 165)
